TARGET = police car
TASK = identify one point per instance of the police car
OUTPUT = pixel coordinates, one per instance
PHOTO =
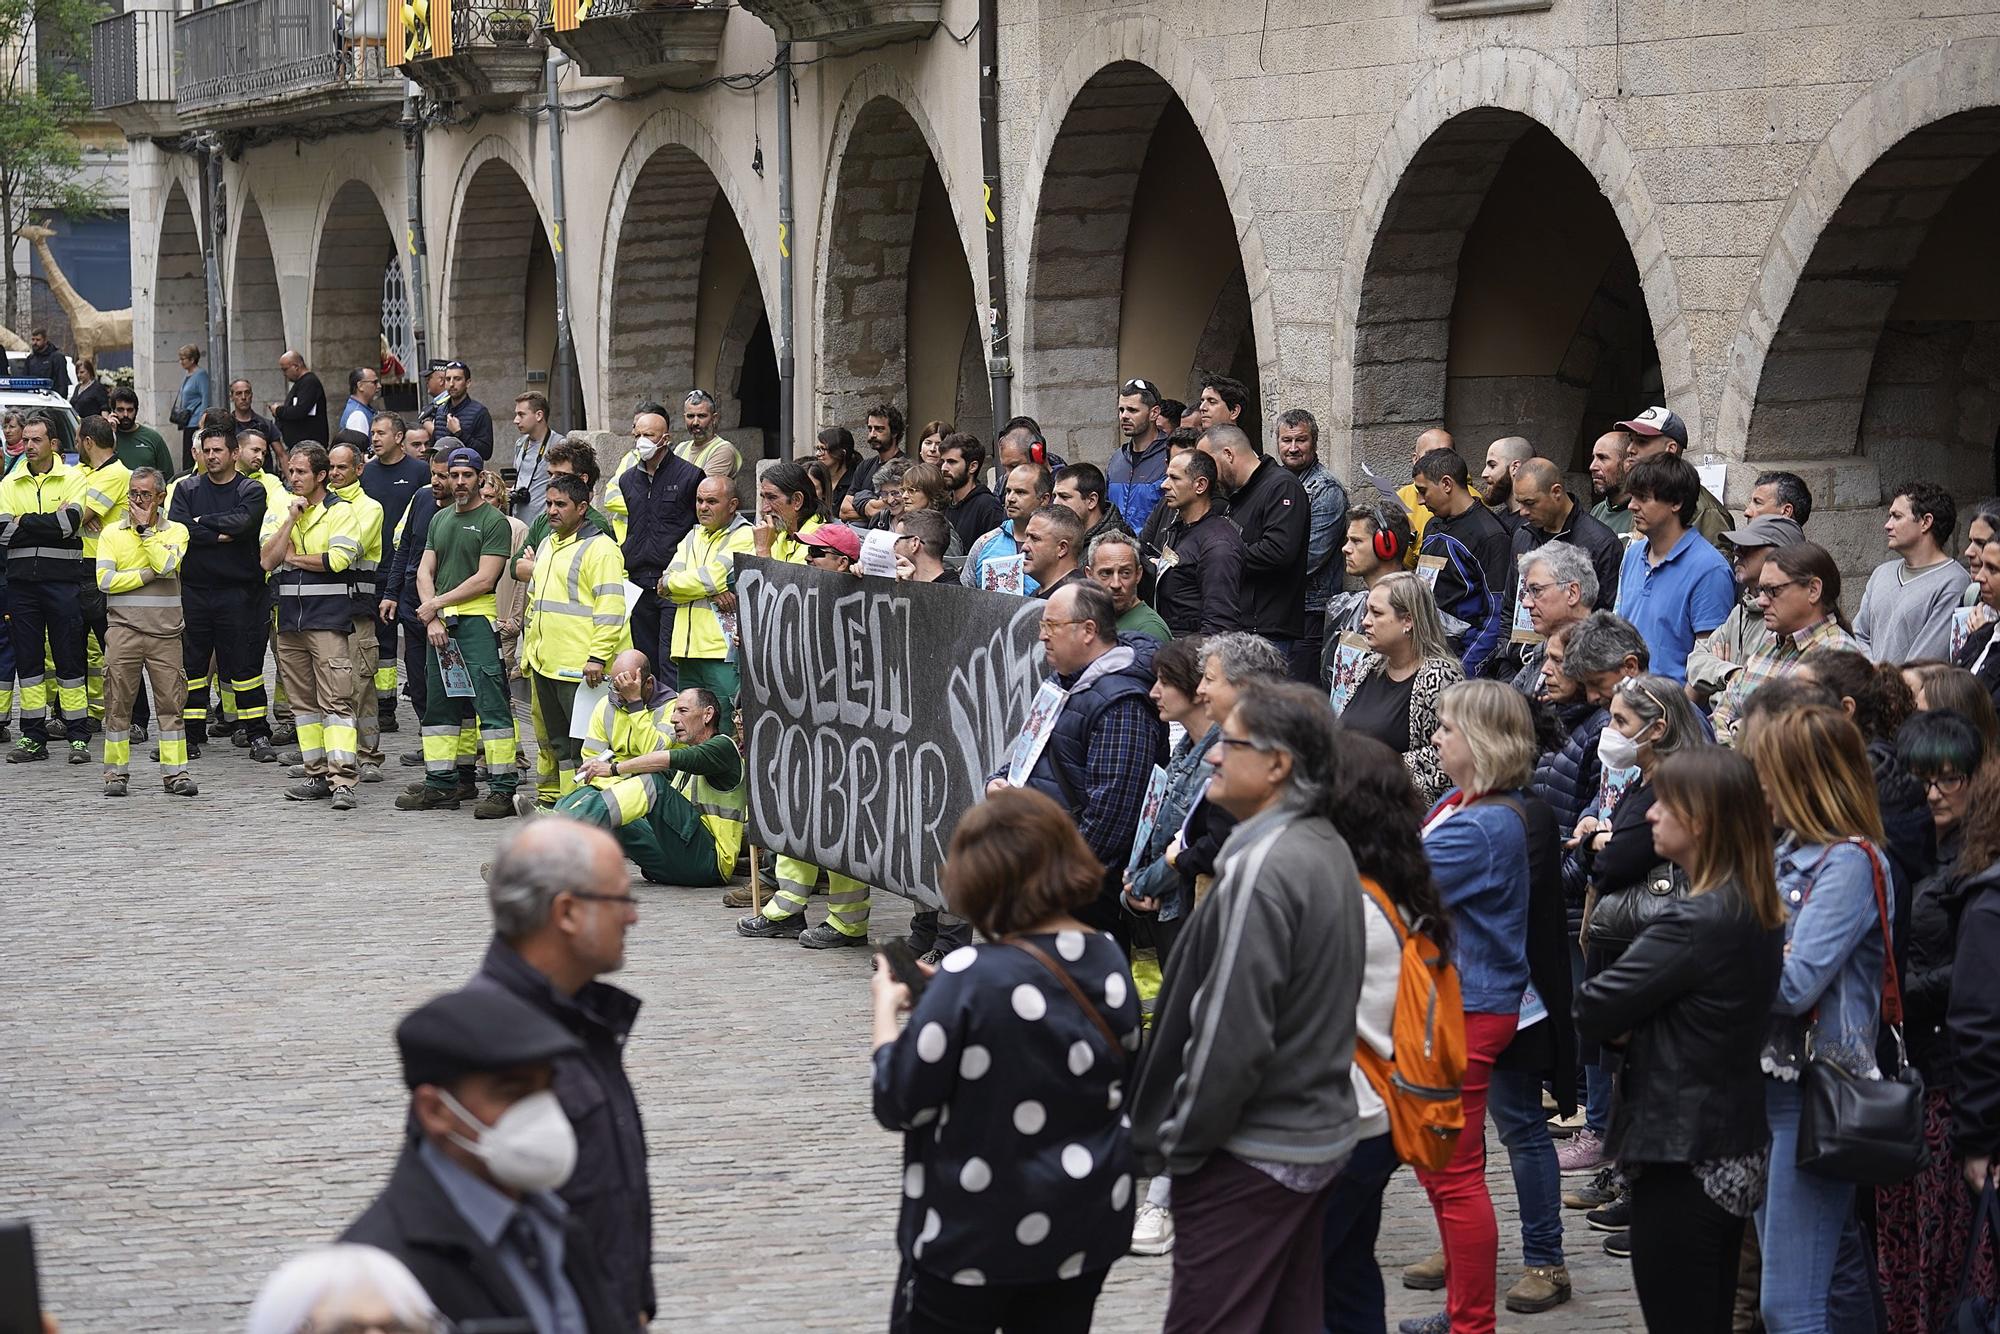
(28, 395)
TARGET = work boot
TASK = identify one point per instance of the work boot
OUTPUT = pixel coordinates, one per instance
(495, 806)
(1427, 1274)
(138, 732)
(118, 785)
(313, 789)
(371, 773)
(27, 750)
(413, 758)
(427, 798)
(239, 736)
(6, 735)
(298, 770)
(79, 752)
(772, 928)
(180, 785)
(827, 936)
(343, 799)
(739, 897)
(284, 734)
(1540, 1288)
(387, 722)
(291, 755)
(263, 752)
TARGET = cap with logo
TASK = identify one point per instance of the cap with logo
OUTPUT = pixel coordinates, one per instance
(1658, 421)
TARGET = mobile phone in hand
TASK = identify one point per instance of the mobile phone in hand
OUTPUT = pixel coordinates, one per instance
(20, 1299)
(903, 967)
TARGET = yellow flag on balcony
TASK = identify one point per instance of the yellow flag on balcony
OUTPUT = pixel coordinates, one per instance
(419, 30)
(565, 15)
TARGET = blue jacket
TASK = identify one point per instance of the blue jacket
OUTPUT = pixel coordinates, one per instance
(1479, 858)
(1463, 590)
(1107, 817)
(1324, 566)
(1831, 986)
(1187, 780)
(996, 545)
(1135, 480)
(399, 580)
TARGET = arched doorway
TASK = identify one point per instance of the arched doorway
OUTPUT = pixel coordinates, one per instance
(180, 304)
(896, 293)
(1889, 347)
(501, 311)
(1499, 298)
(256, 310)
(685, 301)
(1134, 267)
(354, 243)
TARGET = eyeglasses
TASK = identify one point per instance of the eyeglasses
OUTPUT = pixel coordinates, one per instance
(1534, 592)
(1050, 622)
(1766, 591)
(1947, 785)
(1242, 741)
(625, 899)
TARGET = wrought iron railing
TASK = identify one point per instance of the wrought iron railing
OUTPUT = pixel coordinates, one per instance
(132, 58)
(256, 50)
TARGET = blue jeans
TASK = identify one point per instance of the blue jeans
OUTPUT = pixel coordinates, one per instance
(1353, 1281)
(1514, 1102)
(1799, 1226)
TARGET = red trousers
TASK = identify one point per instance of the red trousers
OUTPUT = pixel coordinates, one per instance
(1458, 1191)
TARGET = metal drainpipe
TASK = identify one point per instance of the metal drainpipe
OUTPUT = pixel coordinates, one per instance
(218, 227)
(999, 364)
(565, 368)
(413, 237)
(787, 362)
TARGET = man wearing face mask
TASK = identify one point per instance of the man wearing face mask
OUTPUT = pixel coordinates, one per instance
(656, 495)
(471, 1206)
(552, 944)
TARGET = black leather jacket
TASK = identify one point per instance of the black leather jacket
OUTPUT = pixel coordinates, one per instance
(1690, 999)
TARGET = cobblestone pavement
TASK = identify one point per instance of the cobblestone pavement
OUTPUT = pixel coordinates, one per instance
(199, 1077)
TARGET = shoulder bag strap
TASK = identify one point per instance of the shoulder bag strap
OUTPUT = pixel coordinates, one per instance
(1091, 1012)
(1892, 991)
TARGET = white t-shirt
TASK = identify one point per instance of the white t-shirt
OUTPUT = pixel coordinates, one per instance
(1375, 1011)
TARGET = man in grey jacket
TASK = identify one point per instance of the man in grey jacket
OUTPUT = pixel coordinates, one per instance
(1245, 1097)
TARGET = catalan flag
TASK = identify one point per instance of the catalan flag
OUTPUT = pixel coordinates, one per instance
(419, 30)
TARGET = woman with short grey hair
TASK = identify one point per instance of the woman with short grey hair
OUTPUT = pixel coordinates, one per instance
(342, 1287)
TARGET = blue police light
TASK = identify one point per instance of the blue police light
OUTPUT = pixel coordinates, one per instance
(10, 382)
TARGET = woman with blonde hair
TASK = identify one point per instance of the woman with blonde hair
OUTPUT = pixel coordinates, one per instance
(1686, 1004)
(1409, 666)
(1477, 839)
(1832, 879)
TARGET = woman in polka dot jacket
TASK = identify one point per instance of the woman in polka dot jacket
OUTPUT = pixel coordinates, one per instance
(1017, 1162)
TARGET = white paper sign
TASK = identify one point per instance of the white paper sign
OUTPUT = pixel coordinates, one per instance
(878, 553)
(587, 700)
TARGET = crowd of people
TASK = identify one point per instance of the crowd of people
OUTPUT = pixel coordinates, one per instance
(1676, 843)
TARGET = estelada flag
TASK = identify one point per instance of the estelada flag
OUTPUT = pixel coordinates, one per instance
(419, 30)
(566, 15)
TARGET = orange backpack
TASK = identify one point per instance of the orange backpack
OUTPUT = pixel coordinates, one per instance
(1420, 1085)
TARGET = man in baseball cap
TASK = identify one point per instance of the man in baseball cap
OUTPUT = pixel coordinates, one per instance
(832, 546)
(1719, 657)
(1658, 431)
(471, 1206)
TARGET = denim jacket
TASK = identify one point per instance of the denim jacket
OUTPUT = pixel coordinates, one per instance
(1187, 779)
(1831, 987)
(1479, 858)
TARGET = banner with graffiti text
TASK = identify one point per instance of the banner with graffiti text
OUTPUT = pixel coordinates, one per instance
(873, 711)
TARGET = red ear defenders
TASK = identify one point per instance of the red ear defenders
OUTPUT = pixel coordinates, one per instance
(1039, 452)
(1388, 546)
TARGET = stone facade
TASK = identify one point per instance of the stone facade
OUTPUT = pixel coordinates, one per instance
(1761, 180)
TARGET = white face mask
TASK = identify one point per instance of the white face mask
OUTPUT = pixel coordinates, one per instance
(645, 449)
(1615, 749)
(531, 1146)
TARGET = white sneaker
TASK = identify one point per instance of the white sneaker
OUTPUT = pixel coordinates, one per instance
(1153, 1230)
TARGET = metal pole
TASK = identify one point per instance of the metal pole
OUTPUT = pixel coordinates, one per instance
(999, 362)
(565, 368)
(787, 361)
(218, 227)
(413, 238)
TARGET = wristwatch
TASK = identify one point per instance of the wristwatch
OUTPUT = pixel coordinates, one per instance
(614, 768)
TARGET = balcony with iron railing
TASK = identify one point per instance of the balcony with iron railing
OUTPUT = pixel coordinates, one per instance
(131, 74)
(469, 51)
(262, 62)
(638, 39)
(846, 20)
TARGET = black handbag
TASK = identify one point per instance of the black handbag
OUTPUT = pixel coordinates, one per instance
(1617, 919)
(180, 414)
(1851, 1128)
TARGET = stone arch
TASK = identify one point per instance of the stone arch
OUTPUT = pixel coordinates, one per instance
(1422, 197)
(256, 307)
(889, 209)
(1834, 358)
(1071, 238)
(671, 151)
(344, 320)
(180, 302)
(746, 369)
(499, 278)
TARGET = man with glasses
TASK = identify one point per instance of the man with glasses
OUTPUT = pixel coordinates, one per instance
(1799, 590)
(358, 414)
(1100, 749)
(1558, 585)
(1719, 657)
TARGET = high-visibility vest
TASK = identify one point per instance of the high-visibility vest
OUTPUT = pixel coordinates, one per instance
(58, 494)
(704, 564)
(366, 573)
(789, 549)
(104, 491)
(321, 599)
(576, 605)
(619, 733)
(124, 560)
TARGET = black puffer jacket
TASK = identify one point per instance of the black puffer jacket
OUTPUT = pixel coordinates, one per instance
(1935, 910)
(1693, 993)
(1568, 778)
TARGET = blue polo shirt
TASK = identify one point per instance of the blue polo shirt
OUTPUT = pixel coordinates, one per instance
(1673, 603)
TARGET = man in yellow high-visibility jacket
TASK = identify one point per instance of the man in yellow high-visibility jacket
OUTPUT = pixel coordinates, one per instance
(666, 784)
(576, 626)
(344, 463)
(700, 584)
